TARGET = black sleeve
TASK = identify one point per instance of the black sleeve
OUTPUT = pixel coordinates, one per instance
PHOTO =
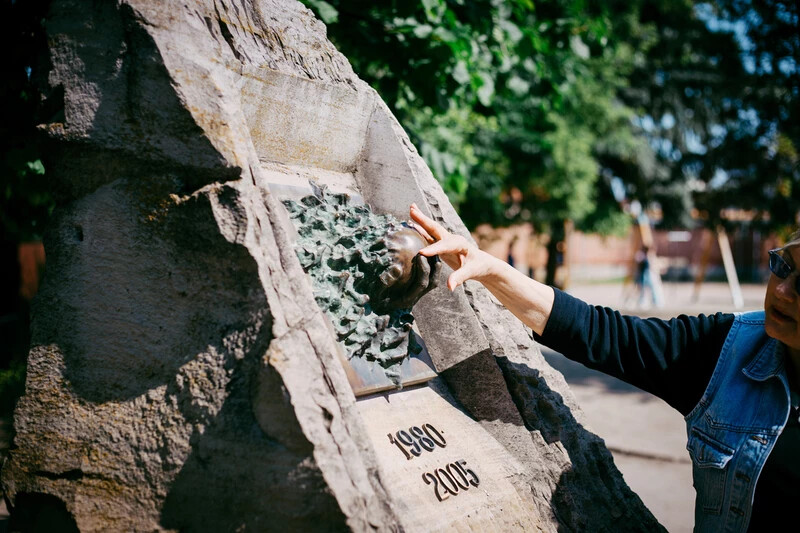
(673, 359)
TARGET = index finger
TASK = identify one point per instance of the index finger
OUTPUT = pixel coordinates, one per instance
(421, 231)
(445, 246)
(433, 228)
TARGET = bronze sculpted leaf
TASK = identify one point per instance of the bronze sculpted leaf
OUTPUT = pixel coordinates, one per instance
(366, 272)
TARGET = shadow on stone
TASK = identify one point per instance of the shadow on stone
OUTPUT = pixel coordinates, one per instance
(577, 501)
(155, 297)
(152, 297)
(41, 513)
(590, 494)
(139, 122)
(236, 478)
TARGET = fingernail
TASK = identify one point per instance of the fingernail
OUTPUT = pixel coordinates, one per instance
(414, 206)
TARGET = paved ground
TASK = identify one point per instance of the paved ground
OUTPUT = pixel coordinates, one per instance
(645, 435)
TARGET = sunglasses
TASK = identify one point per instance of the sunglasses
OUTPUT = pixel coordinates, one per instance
(782, 269)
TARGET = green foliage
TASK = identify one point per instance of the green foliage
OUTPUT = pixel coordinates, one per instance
(519, 108)
(758, 150)
(446, 141)
(12, 385)
(718, 99)
(499, 96)
(25, 201)
(326, 12)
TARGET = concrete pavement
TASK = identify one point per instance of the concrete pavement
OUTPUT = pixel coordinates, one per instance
(646, 436)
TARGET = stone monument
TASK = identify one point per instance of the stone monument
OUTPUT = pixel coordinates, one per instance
(182, 376)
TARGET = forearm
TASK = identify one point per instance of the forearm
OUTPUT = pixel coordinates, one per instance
(672, 359)
(527, 299)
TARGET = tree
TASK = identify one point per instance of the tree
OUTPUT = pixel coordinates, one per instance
(759, 152)
(718, 99)
(25, 202)
(512, 105)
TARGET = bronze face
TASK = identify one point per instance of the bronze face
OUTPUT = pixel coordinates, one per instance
(409, 275)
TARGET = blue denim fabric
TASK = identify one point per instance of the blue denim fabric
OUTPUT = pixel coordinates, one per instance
(736, 424)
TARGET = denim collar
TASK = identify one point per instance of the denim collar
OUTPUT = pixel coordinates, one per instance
(768, 362)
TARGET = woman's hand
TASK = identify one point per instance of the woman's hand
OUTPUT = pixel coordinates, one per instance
(467, 261)
(528, 299)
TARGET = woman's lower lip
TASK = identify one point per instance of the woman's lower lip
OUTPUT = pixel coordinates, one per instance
(780, 317)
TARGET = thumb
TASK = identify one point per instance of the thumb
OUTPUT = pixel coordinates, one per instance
(458, 277)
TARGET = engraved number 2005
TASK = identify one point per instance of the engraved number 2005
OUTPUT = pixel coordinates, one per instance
(451, 479)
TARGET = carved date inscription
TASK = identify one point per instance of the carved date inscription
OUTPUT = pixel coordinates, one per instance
(417, 439)
(452, 478)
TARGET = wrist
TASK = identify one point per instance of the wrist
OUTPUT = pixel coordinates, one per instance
(493, 270)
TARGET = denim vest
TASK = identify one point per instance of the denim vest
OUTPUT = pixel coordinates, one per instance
(736, 424)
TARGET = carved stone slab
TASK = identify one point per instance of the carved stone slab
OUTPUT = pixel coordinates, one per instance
(463, 485)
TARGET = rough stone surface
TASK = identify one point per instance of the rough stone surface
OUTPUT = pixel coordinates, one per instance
(174, 301)
(181, 375)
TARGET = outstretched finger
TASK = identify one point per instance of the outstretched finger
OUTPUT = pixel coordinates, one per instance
(433, 228)
(446, 246)
(425, 235)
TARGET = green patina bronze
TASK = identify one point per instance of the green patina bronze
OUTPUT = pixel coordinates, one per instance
(366, 274)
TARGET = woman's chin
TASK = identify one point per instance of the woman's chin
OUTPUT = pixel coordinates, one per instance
(782, 328)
